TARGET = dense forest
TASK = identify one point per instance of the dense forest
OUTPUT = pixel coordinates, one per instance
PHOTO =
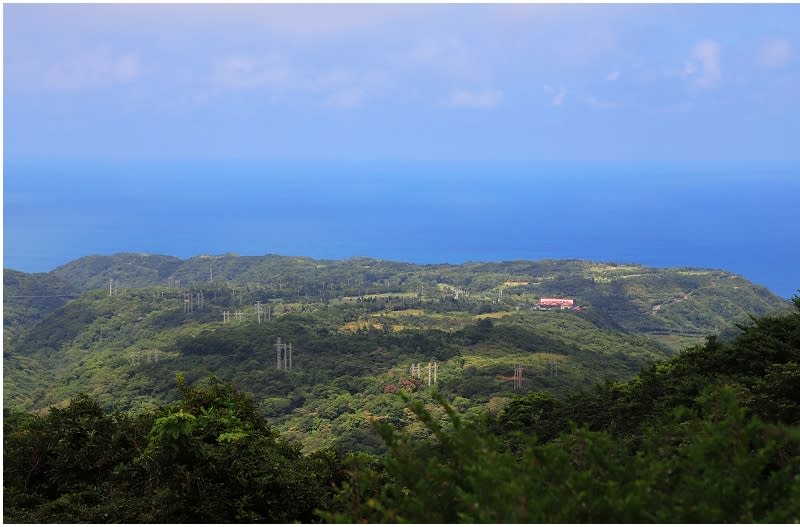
(708, 435)
(146, 388)
(119, 327)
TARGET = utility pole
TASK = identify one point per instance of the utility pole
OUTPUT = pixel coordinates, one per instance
(554, 368)
(283, 355)
(517, 377)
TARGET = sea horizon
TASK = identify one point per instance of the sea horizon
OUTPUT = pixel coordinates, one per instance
(734, 216)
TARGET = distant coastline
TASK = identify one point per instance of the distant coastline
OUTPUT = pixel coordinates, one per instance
(738, 217)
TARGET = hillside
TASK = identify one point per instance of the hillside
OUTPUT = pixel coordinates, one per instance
(356, 328)
(132, 269)
(27, 297)
(708, 436)
(676, 306)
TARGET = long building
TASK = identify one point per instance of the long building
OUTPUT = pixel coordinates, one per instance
(557, 302)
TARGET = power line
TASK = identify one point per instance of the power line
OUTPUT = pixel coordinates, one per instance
(40, 296)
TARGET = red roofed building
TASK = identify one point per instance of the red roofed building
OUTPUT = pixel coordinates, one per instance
(557, 302)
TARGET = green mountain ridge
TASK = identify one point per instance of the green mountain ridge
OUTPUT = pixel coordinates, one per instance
(708, 436)
(30, 296)
(664, 302)
(357, 326)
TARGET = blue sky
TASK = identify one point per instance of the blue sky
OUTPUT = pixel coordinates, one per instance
(416, 82)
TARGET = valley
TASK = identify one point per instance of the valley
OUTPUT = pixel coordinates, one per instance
(120, 328)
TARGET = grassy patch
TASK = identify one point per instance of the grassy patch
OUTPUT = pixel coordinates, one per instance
(497, 314)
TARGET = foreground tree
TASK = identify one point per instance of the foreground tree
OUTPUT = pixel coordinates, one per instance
(709, 436)
(212, 458)
(708, 464)
(207, 458)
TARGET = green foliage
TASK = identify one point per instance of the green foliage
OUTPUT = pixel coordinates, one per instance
(131, 269)
(212, 458)
(761, 363)
(666, 303)
(207, 458)
(59, 467)
(709, 436)
(539, 412)
(28, 297)
(709, 465)
(702, 438)
(114, 348)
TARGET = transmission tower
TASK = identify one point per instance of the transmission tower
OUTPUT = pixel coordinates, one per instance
(554, 368)
(517, 377)
(283, 355)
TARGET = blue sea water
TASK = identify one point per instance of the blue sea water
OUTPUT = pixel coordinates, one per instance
(741, 217)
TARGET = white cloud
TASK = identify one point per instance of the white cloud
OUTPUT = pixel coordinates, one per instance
(247, 72)
(330, 80)
(775, 54)
(446, 55)
(679, 107)
(703, 68)
(92, 70)
(475, 99)
(298, 21)
(613, 76)
(596, 103)
(274, 76)
(319, 20)
(347, 98)
(346, 89)
(559, 95)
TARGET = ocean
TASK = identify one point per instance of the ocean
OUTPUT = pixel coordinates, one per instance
(741, 217)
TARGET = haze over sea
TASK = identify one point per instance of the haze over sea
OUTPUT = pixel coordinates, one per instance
(740, 217)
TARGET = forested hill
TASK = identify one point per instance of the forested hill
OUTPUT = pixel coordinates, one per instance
(132, 269)
(709, 436)
(29, 296)
(358, 328)
(670, 304)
